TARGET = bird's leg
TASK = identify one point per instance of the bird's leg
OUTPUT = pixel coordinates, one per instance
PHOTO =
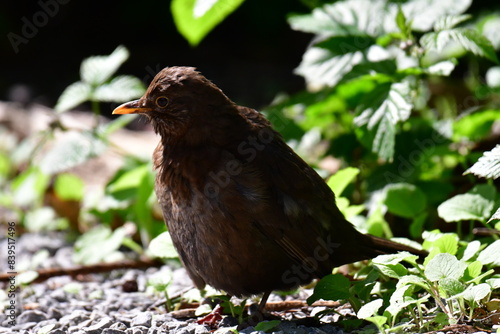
(263, 301)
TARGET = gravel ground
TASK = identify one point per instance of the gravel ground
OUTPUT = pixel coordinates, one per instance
(97, 303)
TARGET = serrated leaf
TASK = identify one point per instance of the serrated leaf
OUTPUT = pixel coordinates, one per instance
(73, 95)
(343, 18)
(194, 19)
(339, 181)
(380, 111)
(370, 309)
(495, 216)
(490, 255)
(444, 265)
(331, 287)
(74, 149)
(163, 247)
(404, 199)
(471, 40)
(120, 89)
(321, 67)
(450, 21)
(465, 207)
(488, 165)
(96, 70)
(424, 13)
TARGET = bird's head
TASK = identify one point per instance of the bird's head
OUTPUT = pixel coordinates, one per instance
(178, 100)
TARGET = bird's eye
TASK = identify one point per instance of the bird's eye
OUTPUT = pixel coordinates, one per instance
(161, 101)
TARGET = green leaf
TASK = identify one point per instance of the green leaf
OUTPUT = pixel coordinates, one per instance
(488, 165)
(445, 243)
(392, 270)
(423, 13)
(490, 30)
(69, 187)
(405, 200)
(471, 250)
(386, 259)
(401, 22)
(44, 219)
(26, 277)
(73, 95)
(131, 179)
(452, 286)
(370, 309)
(99, 245)
(476, 292)
(321, 67)
(196, 18)
(473, 270)
(96, 70)
(443, 68)
(380, 111)
(74, 149)
(339, 181)
(120, 89)
(29, 187)
(465, 207)
(490, 255)
(444, 265)
(341, 45)
(331, 287)
(475, 126)
(450, 21)
(163, 247)
(414, 280)
(267, 325)
(495, 216)
(343, 18)
(470, 40)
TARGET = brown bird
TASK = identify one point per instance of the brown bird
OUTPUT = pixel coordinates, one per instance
(246, 214)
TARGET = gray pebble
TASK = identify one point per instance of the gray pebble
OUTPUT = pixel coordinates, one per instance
(31, 316)
(112, 331)
(98, 327)
(142, 319)
(57, 331)
(119, 326)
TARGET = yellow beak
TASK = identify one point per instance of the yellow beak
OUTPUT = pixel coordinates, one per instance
(131, 107)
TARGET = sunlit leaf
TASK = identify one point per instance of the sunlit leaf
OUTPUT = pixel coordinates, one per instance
(466, 207)
(339, 181)
(73, 95)
(471, 40)
(74, 149)
(120, 89)
(424, 13)
(96, 70)
(488, 165)
(163, 247)
(194, 19)
(444, 265)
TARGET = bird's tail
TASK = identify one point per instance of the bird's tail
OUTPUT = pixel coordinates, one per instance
(377, 246)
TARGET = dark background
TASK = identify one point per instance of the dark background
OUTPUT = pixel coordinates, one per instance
(251, 55)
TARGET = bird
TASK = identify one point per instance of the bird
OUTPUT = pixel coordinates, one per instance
(245, 213)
